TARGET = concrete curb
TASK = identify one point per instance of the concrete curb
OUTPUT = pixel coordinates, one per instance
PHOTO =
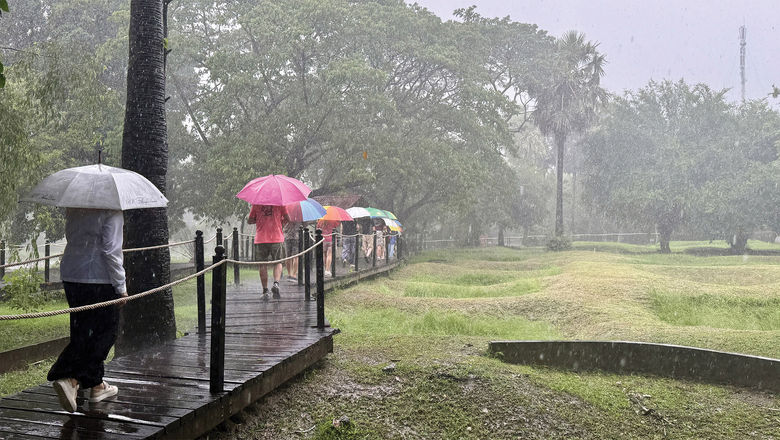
(666, 360)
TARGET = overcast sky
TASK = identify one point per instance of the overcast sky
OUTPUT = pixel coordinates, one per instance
(697, 40)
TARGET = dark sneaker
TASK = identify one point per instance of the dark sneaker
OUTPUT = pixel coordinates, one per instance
(275, 289)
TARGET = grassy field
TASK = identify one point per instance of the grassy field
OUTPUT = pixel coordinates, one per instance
(411, 359)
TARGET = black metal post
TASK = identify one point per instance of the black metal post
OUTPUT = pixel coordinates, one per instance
(219, 237)
(200, 281)
(218, 294)
(373, 254)
(236, 256)
(2, 258)
(320, 280)
(300, 257)
(398, 247)
(306, 266)
(333, 254)
(46, 264)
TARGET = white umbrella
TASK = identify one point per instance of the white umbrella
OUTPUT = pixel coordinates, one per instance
(97, 187)
(357, 212)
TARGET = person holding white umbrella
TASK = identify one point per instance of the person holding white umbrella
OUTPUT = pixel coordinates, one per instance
(91, 267)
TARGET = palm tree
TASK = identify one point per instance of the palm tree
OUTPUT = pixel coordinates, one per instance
(149, 320)
(568, 104)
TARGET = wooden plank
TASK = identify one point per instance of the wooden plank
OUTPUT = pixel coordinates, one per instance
(66, 425)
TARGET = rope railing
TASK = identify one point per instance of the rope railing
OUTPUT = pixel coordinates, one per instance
(251, 263)
(108, 303)
(20, 263)
(150, 291)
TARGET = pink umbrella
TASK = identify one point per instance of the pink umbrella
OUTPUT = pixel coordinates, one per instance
(274, 189)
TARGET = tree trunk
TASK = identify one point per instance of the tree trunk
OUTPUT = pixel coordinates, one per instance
(664, 236)
(560, 141)
(526, 231)
(739, 243)
(149, 320)
(501, 236)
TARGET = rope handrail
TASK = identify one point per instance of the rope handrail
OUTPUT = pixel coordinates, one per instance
(30, 261)
(20, 263)
(107, 303)
(251, 263)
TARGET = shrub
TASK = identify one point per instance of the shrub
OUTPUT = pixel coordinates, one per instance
(23, 290)
(559, 244)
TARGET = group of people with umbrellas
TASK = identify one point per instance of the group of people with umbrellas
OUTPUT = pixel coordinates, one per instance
(92, 268)
(285, 205)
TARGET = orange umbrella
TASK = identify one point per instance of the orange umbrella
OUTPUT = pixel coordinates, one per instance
(334, 213)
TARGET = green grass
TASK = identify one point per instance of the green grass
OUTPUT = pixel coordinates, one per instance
(718, 312)
(391, 321)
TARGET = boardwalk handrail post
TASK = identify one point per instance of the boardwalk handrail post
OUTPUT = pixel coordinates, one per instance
(46, 265)
(307, 266)
(236, 256)
(387, 249)
(300, 257)
(373, 254)
(320, 280)
(358, 242)
(219, 237)
(333, 254)
(398, 247)
(218, 293)
(200, 282)
(2, 258)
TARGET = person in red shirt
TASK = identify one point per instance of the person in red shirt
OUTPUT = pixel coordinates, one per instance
(269, 241)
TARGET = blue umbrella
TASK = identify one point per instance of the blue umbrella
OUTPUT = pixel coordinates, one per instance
(305, 211)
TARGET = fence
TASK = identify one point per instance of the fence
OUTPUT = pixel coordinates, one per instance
(309, 243)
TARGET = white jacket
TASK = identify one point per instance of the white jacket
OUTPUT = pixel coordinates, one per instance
(93, 254)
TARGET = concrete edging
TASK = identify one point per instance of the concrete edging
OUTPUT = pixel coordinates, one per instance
(666, 360)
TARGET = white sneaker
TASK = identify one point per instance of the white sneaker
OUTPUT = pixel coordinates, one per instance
(66, 393)
(107, 391)
(327, 273)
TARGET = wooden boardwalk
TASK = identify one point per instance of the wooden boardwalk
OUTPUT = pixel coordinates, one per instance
(164, 391)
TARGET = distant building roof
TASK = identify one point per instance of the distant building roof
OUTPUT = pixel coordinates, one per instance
(342, 201)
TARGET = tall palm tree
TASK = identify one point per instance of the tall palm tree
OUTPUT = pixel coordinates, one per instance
(149, 320)
(568, 104)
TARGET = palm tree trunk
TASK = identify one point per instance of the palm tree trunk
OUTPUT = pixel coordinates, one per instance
(560, 141)
(149, 320)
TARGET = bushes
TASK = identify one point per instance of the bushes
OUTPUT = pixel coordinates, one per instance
(23, 291)
(559, 244)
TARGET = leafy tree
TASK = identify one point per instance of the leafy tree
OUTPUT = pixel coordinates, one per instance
(651, 153)
(568, 104)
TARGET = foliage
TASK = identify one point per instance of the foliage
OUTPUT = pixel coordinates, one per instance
(561, 243)
(23, 289)
(671, 154)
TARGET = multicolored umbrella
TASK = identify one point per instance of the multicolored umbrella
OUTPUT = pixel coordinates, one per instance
(358, 212)
(390, 214)
(274, 189)
(392, 224)
(378, 213)
(334, 213)
(305, 211)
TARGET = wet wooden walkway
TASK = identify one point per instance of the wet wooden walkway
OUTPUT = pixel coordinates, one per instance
(164, 391)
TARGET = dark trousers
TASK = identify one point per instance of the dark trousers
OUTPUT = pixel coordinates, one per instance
(92, 333)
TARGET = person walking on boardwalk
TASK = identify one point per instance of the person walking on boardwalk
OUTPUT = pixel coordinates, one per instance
(349, 230)
(291, 248)
(91, 271)
(327, 227)
(269, 241)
